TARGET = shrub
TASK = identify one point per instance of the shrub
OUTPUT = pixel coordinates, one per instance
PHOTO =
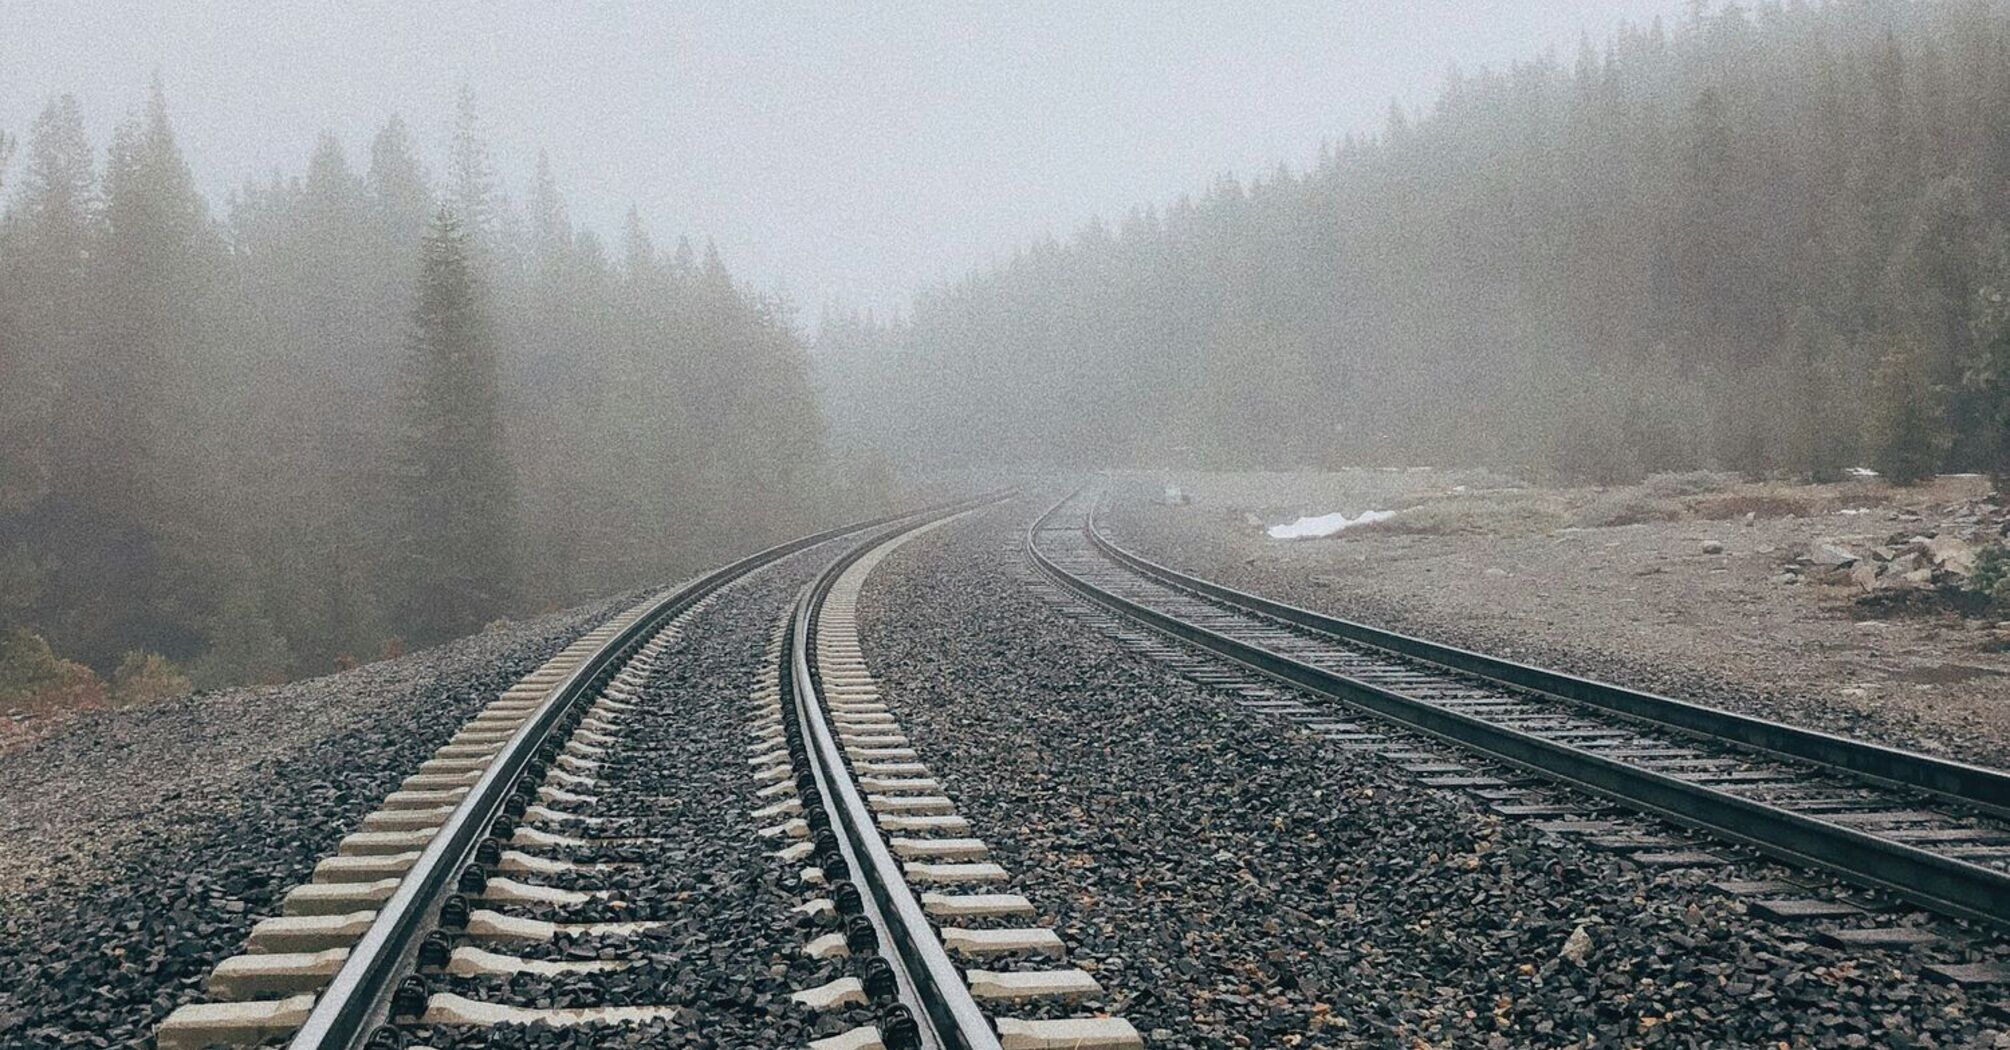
(147, 678)
(245, 648)
(1991, 578)
(1590, 445)
(34, 678)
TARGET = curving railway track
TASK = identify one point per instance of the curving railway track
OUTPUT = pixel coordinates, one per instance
(458, 903)
(1924, 829)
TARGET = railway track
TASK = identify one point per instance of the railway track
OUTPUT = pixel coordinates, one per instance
(911, 891)
(1924, 829)
(490, 862)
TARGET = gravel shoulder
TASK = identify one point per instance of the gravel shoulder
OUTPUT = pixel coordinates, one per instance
(140, 846)
(1233, 881)
(73, 801)
(1701, 595)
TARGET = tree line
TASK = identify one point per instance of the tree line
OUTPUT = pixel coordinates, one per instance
(1770, 239)
(362, 407)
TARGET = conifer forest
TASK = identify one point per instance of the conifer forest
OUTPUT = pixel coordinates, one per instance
(1769, 238)
(356, 408)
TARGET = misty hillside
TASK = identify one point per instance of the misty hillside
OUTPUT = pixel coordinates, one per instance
(353, 408)
(1768, 239)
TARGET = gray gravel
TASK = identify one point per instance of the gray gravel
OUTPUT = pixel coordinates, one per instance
(1236, 882)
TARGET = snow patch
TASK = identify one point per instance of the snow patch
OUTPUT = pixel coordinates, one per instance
(1325, 525)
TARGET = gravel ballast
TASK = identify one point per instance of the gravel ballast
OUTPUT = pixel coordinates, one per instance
(1234, 881)
(729, 952)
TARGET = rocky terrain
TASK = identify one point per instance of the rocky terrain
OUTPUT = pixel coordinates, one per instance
(1854, 607)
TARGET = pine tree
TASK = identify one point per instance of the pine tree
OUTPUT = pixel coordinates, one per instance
(471, 186)
(135, 445)
(42, 269)
(398, 189)
(457, 538)
(638, 252)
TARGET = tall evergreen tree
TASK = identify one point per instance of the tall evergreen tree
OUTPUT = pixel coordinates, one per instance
(130, 433)
(44, 248)
(471, 183)
(458, 531)
(399, 193)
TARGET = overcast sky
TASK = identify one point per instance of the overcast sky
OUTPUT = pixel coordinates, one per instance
(833, 150)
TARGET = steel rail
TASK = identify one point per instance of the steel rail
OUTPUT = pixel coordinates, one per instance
(944, 1010)
(358, 998)
(1945, 884)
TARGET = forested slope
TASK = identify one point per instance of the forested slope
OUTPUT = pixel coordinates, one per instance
(236, 437)
(1767, 239)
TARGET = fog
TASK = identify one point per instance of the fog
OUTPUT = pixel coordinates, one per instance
(326, 330)
(841, 151)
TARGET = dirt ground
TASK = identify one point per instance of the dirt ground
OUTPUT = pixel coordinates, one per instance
(1698, 586)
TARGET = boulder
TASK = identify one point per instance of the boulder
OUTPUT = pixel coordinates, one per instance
(1952, 554)
(1712, 547)
(1830, 556)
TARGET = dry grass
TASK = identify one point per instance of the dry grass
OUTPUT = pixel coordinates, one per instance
(1626, 507)
(1763, 504)
(1492, 515)
(1686, 483)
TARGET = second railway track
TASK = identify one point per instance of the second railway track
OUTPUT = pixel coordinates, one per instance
(1924, 829)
